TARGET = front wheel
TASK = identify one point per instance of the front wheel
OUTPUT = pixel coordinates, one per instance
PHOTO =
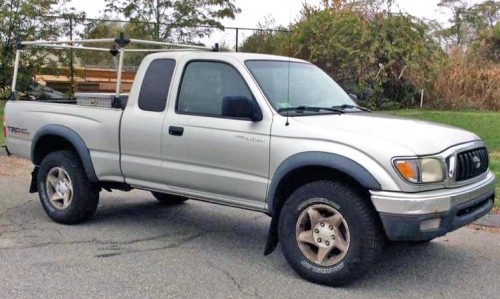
(65, 192)
(329, 234)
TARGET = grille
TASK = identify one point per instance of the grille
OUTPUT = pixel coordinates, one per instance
(471, 163)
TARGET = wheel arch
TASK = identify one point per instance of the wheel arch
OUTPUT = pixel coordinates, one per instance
(332, 163)
(50, 138)
(307, 167)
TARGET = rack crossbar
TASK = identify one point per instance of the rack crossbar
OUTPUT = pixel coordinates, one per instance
(83, 41)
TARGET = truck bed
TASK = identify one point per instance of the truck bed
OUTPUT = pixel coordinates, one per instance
(97, 125)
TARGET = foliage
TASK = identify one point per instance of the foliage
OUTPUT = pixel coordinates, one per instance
(462, 84)
(469, 22)
(486, 48)
(23, 20)
(382, 57)
(174, 20)
(388, 58)
(19, 20)
(270, 38)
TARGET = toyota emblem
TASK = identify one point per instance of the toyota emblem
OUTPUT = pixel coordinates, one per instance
(477, 161)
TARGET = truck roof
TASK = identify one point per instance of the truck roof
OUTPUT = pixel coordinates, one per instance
(241, 56)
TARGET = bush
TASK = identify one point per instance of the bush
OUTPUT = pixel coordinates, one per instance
(383, 58)
(466, 83)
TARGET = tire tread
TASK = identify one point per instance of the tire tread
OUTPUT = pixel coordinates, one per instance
(373, 236)
(85, 197)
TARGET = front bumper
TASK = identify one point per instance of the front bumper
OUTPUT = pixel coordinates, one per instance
(430, 214)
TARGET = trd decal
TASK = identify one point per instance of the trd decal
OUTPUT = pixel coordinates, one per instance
(18, 131)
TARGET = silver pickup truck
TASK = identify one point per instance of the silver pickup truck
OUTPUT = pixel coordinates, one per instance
(264, 133)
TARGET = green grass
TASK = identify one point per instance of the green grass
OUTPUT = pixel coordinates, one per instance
(2, 105)
(485, 124)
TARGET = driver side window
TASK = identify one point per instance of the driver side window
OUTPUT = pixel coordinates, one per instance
(207, 88)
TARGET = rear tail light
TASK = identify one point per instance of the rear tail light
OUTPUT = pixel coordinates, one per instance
(4, 126)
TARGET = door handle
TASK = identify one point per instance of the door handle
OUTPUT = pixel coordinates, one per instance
(175, 131)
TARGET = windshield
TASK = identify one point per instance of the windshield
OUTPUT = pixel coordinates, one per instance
(296, 84)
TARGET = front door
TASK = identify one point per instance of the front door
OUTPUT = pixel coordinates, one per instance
(205, 150)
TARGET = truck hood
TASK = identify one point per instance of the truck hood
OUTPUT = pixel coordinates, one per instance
(420, 137)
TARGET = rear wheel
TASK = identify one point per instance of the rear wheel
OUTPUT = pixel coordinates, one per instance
(65, 192)
(169, 198)
(329, 234)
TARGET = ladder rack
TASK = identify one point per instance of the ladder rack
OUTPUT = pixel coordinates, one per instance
(117, 47)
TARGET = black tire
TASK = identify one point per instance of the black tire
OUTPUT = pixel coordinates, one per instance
(85, 196)
(366, 234)
(169, 199)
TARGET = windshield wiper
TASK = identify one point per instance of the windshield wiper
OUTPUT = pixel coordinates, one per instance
(346, 106)
(301, 109)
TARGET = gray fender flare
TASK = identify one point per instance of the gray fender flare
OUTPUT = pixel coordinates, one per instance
(322, 159)
(73, 138)
(329, 160)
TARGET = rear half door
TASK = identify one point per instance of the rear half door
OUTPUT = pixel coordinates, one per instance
(142, 123)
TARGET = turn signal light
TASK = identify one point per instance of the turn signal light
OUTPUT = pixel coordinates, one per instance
(408, 169)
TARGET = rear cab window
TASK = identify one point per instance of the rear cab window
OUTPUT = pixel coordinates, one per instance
(156, 84)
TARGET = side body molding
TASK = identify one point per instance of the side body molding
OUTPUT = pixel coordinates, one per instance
(73, 138)
(322, 159)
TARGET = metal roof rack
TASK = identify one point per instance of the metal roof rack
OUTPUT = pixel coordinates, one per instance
(117, 48)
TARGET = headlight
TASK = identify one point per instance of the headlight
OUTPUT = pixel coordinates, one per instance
(425, 170)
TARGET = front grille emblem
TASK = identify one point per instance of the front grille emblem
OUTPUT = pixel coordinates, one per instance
(477, 161)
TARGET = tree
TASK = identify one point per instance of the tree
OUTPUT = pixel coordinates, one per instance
(268, 39)
(20, 20)
(469, 22)
(97, 29)
(486, 15)
(174, 20)
(487, 49)
(459, 31)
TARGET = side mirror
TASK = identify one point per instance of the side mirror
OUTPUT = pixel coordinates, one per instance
(241, 107)
(353, 97)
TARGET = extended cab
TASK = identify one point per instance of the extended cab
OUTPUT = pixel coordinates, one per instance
(265, 133)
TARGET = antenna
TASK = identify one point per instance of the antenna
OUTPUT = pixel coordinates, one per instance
(289, 64)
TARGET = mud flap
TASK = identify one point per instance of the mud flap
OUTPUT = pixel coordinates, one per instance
(7, 150)
(34, 178)
(272, 236)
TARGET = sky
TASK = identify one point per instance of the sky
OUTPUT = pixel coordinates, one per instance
(254, 11)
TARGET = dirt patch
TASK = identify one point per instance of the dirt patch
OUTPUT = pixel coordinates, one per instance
(10, 166)
(495, 230)
(495, 211)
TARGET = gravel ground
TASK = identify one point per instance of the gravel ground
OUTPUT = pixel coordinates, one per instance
(136, 247)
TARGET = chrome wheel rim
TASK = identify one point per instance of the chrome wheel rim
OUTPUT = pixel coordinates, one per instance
(59, 188)
(322, 234)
